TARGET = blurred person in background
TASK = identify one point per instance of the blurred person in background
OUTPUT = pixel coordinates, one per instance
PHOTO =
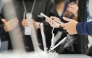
(70, 26)
(59, 9)
(19, 5)
(62, 8)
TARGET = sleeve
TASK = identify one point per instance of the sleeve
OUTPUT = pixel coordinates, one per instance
(84, 28)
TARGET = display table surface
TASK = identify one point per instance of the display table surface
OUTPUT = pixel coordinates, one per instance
(41, 55)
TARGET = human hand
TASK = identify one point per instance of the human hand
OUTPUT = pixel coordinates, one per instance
(73, 7)
(70, 27)
(25, 23)
(53, 23)
(10, 25)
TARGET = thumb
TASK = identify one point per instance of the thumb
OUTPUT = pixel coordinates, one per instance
(62, 25)
(4, 21)
(66, 19)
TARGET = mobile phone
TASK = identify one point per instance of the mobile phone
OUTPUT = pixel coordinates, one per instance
(49, 18)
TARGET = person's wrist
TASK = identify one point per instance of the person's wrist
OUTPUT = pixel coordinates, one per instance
(76, 28)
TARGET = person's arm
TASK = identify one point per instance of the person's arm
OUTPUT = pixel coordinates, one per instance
(84, 28)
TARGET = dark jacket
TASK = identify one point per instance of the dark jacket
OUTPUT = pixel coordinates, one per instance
(40, 6)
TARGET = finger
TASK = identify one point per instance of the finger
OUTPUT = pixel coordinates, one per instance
(24, 21)
(51, 25)
(74, 7)
(71, 10)
(55, 19)
(50, 21)
(24, 25)
(52, 17)
(46, 20)
(66, 19)
(62, 25)
(4, 21)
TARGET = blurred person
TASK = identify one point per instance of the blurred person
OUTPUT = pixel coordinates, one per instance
(40, 6)
(82, 28)
(62, 8)
(8, 26)
(67, 9)
(55, 9)
(58, 10)
(72, 8)
(82, 40)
